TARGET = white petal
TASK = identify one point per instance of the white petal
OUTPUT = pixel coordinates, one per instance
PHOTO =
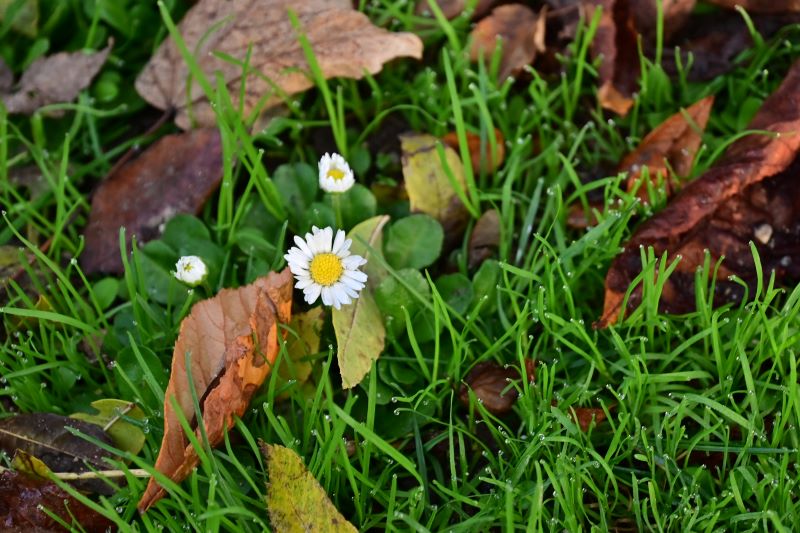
(303, 246)
(353, 284)
(338, 242)
(326, 296)
(352, 262)
(340, 294)
(356, 275)
(311, 293)
(303, 283)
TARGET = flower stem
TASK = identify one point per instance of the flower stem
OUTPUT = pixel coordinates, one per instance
(336, 199)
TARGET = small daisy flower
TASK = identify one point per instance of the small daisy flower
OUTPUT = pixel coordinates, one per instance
(335, 174)
(323, 266)
(191, 270)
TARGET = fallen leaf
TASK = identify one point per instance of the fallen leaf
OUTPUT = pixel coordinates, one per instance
(360, 333)
(55, 79)
(480, 150)
(233, 340)
(6, 77)
(25, 13)
(429, 188)
(301, 344)
(668, 151)
(224, 35)
(760, 6)
(453, 8)
(295, 500)
(45, 436)
(27, 464)
(615, 42)
(485, 238)
(125, 435)
(749, 194)
(493, 385)
(23, 501)
(175, 175)
(675, 13)
(586, 416)
(522, 34)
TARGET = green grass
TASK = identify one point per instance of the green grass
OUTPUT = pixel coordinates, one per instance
(673, 387)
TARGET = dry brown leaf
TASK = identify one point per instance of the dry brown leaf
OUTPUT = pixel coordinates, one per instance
(453, 8)
(344, 41)
(615, 41)
(671, 145)
(485, 238)
(175, 175)
(233, 340)
(521, 30)
(585, 416)
(761, 6)
(480, 150)
(54, 80)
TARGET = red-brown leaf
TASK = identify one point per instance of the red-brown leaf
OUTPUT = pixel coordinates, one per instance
(761, 6)
(485, 238)
(615, 41)
(584, 416)
(480, 150)
(752, 193)
(175, 175)
(233, 341)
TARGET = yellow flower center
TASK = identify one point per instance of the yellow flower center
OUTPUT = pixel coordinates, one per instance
(336, 174)
(326, 269)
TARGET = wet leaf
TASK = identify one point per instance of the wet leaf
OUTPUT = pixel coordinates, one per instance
(615, 42)
(360, 333)
(430, 189)
(493, 386)
(45, 436)
(23, 501)
(54, 79)
(485, 238)
(668, 151)
(303, 343)
(295, 500)
(750, 194)
(588, 416)
(223, 35)
(175, 175)
(232, 340)
(480, 150)
(30, 465)
(126, 436)
(521, 32)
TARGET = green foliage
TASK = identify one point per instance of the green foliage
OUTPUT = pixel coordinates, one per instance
(413, 242)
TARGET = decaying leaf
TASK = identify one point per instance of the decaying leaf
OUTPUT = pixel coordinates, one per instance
(761, 6)
(480, 150)
(307, 327)
(453, 8)
(675, 13)
(586, 416)
(521, 31)
(429, 188)
(23, 501)
(175, 175)
(616, 43)
(45, 436)
(225, 34)
(55, 79)
(751, 194)
(494, 385)
(360, 333)
(232, 341)
(295, 500)
(25, 15)
(668, 151)
(485, 238)
(125, 435)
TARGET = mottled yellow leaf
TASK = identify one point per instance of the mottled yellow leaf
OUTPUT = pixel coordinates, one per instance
(126, 436)
(430, 190)
(302, 341)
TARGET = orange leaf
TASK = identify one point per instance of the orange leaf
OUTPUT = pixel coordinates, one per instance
(232, 340)
(480, 151)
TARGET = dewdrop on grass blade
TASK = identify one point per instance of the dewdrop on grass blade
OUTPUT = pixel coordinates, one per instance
(191, 270)
(335, 174)
(323, 266)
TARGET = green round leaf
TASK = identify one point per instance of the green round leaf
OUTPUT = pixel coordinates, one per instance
(456, 290)
(484, 282)
(105, 292)
(320, 215)
(297, 185)
(357, 205)
(413, 242)
(392, 295)
(111, 416)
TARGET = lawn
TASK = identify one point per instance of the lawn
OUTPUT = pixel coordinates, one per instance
(498, 402)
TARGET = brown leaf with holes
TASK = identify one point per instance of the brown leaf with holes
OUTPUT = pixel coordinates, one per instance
(751, 194)
(485, 238)
(223, 34)
(23, 500)
(521, 31)
(615, 42)
(177, 174)
(55, 79)
(480, 150)
(668, 151)
(232, 340)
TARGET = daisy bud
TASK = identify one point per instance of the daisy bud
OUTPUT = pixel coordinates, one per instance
(191, 270)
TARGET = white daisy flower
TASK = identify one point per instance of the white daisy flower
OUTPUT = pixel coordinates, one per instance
(323, 266)
(335, 174)
(191, 270)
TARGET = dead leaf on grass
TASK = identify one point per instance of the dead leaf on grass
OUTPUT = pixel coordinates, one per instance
(222, 33)
(616, 43)
(232, 339)
(295, 500)
(494, 385)
(521, 31)
(480, 150)
(175, 175)
(760, 6)
(587, 416)
(23, 500)
(55, 79)
(751, 194)
(485, 238)
(453, 8)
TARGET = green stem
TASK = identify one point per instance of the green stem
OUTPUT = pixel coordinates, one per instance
(336, 200)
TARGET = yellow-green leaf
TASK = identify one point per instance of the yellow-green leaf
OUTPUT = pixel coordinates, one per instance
(359, 328)
(302, 341)
(125, 435)
(430, 189)
(295, 500)
(27, 463)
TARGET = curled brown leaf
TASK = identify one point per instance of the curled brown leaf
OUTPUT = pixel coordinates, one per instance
(521, 31)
